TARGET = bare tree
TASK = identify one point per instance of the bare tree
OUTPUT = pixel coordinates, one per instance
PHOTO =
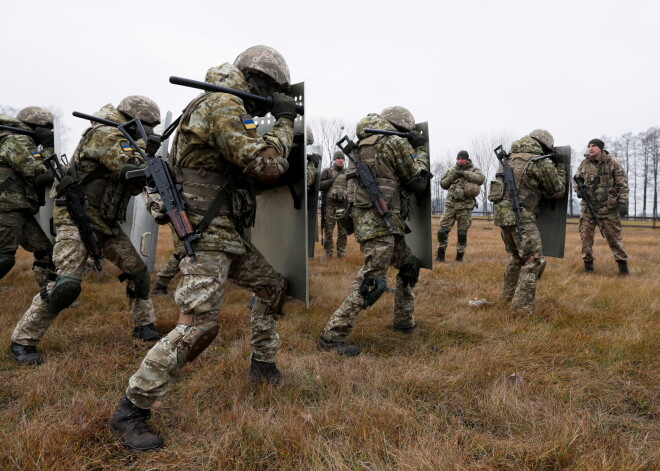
(481, 151)
(327, 131)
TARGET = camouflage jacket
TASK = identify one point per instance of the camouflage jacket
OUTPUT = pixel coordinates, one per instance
(393, 162)
(534, 180)
(215, 147)
(606, 184)
(96, 163)
(334, 185)
(456, 184)
(20, 161)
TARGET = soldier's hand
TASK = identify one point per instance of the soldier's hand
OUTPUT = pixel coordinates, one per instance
(417, 139)
(557, 159)
(458, 173)
(45, 137)
(283, 106)
(45, 179)
(315, 159)
(623, 209)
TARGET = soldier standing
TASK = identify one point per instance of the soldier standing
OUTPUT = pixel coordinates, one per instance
(606, 185)
(396, 167)
(463, 181)
(333, 189)
(215, 151)
(23, 180)
(99, 164)
(533, 180)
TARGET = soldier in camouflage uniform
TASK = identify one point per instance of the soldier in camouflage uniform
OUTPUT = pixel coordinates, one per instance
(23, 180)
(313, 161)
(607, 188)
(333, 194)
(462, 181)
(397, 168)
(534, 180)
(216, 154)
(99, 163)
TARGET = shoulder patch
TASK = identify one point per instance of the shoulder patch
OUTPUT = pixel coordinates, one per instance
(248, 122)
(36, 154)
(126, 147)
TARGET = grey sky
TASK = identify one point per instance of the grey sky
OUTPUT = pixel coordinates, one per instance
(578, 68)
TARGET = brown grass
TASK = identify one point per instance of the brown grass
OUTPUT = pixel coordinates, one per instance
(587, 397)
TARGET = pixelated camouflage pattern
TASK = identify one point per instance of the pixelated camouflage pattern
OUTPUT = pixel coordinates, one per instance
(379, 254)
(333, 214)
(606, 184)
(455, 184)
(334, 185)
(310, 174)
(142, 107)
(543, 137)
(399, 158)
(611, 226)
(267, 61)
(70, 259)
(462, 217)
(399, 117)
(170, 270)
(309, 136)
(200, 294)
(20, 228)
(37, 116)
(214, 138)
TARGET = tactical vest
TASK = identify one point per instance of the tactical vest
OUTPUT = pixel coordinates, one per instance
(10, 180)
(528, 196)
(599, 183)
(387, 181)
(337, 192)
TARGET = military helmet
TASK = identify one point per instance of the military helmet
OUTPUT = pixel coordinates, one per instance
(137, 106)
(309, 135)
(543, 137)
(36, 116)
(471, 190)
(266, 61)
(338, 155)
(399, 117)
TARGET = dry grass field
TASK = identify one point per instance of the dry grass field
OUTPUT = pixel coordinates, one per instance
(584, 395)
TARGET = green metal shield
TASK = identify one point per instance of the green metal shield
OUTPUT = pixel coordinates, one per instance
(551, 219)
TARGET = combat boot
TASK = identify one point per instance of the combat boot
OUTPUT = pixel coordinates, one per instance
(148, 333)
(25, 354)
(262, 372)
(159, 289)
(341, 348)
(441, 255)
(404, 330)
(588, 266)
(623, 267)
(459, 257)
(129, 424)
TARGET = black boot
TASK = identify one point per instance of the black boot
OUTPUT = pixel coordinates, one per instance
(129, 424)
(341, 348)
(148, 333)
(25, 354)
(623, 267)
(159, 289)
(262, 372)
(459, 257)
(441, 255)
(588, 266)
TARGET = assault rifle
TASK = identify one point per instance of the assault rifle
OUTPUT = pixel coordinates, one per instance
(75, 205)
(209, 87)
(510, 183)
(25, 132)
(366, 179)
(159, 176)
(582, 193)
(323, 220)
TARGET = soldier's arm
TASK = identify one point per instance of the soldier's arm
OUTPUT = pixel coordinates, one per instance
(326, 180)
(108, 147)
(474, 175)
(621, 183)
(21, 155)
(405, 162)
(447, 179)
(552, 178)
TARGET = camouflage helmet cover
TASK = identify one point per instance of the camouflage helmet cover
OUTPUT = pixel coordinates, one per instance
(267, 61)
(526, 145)
(309, 136)
(36, 115)
(399, 117)
(137, 106)
(543, 137)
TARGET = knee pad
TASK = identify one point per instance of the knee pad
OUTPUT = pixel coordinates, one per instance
(194, 341)
(371, 289)
(141, 282)
(442, 234)
(409, 273)
(462, 237)
(65, 291)
(6, 263)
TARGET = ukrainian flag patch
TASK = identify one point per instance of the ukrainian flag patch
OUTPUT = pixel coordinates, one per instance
(36, 154)
(248, 122)
(126, 147)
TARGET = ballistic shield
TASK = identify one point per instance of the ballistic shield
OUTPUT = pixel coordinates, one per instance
(551, 219)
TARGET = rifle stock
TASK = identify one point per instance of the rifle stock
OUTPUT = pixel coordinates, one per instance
(582, 193)
(510, 183)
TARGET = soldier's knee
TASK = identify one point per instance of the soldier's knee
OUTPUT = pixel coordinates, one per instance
(271, 298)
(7, 262)
(140, 285)
(535, 266)
(193, 340)
(409, 272)
(462, 236)
(442, 234)
(63, 293)
(371, 289)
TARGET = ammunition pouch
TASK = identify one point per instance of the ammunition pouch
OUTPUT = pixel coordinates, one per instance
(141, 282)
(7, 262)
(371, 289)
(409, 273)
(63, 294)
(462, 236)
(496, 191)
(194, 341)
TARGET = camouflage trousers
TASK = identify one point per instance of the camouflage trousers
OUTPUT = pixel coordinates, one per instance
(70, 259)
(20, 228)
(170, 270)
(379, 254)
(611, 230)
(330, 221)
(200, 296)
(524, 266)
(463, 220)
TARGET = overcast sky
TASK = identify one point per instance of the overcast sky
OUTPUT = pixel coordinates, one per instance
(581, 69)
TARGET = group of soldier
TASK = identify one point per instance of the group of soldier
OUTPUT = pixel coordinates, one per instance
(217, 157)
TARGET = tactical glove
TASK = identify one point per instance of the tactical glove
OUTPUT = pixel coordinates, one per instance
(315, 159)
(283, 106)
(45, 137)
(623, 209)
(45, 179)
(458, 173)
(417, 139)
(136, 182)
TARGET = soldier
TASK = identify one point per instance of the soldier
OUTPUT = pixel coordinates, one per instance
(216, 151)
(166, 274)
(99, 163)
(23, 180)
(313, 161)
(462, 181)
(396, 167)
(606, 185)
(333, 190)
(533, 180)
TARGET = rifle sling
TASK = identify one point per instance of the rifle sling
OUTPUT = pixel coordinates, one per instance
(213, 209)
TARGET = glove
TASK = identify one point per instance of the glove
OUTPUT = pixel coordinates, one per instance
(315, 159)
(283, 106)
(623, 209)
(45, 179)
(45, 137)
(557, 159)
(417, 139)
(458, 173)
